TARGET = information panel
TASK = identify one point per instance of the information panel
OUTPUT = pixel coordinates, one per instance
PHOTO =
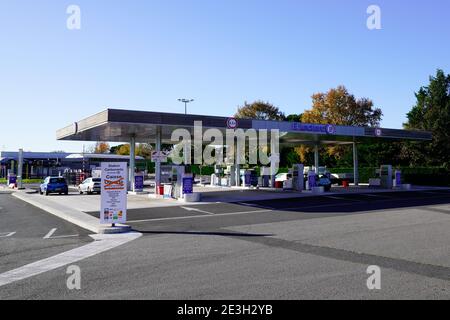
(114, 193)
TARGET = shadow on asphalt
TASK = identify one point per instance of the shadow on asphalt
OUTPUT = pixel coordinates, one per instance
(200, 233)
(356, 202)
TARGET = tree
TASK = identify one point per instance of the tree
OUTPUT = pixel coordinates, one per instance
(339, 107)
(259, 110)
(431, 113)
(123, 150)
(294, 118)
(142, 150)
(101, 147)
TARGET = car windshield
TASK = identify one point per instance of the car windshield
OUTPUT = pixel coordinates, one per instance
(97, 180)
(57, 180)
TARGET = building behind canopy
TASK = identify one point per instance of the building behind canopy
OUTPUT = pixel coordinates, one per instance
(37, 165)
(128, 126)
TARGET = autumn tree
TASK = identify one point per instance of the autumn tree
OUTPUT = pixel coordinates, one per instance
(142, 149)
(259, 110)
(100, 148)
(339, 107)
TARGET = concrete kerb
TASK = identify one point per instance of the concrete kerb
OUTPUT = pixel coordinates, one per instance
(78, 218)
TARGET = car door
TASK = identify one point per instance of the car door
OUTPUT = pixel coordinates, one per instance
(44, 185)
(84, 185)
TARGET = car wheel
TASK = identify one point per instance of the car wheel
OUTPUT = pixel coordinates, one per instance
(79, 190)
(40, 191)
(46, 193)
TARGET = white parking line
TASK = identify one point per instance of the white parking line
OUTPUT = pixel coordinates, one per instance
(7, 234)
(200, 216)
(373, 195)
(48, 235)
(103, 243)
(61, 237)
(335, 198)
(254, 205)
(195, 209)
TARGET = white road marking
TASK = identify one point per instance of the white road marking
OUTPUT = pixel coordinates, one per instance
(254, 205)
(61, 237)
(374, 195)
(197, 210)
(270, 210)
(334, 197)
(200, 216)
(104, 242)
(7, 234)
(51, 232)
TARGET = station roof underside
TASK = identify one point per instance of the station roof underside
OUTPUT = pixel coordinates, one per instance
(114, 125)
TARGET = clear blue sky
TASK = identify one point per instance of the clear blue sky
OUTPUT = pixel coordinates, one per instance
(144, 54)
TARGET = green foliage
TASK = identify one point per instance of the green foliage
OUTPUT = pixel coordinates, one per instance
(25, 181)
(431, 113)
(259, 110)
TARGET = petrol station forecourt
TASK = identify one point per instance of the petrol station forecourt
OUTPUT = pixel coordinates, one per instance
(128, 126)
(284, 245)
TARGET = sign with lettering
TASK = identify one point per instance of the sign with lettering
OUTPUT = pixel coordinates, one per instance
(314, 128)
(114, 192)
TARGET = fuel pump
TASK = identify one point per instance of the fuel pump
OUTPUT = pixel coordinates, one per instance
(298, 180)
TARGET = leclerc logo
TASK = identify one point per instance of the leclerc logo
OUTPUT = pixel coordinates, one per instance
(331, 129)
(232, 123)
(378, 132)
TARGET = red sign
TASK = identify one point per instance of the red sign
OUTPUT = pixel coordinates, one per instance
(232, 123)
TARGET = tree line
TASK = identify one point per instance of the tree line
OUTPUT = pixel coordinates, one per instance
(339, 107)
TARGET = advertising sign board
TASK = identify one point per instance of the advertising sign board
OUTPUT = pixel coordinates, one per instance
(114, 193)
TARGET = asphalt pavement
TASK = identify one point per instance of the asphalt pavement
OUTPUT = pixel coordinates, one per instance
(304, 248)
(28, 234)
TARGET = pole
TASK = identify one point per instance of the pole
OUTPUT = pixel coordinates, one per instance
(20, 170)
(158, 160)
(355, 165)
(132, 162)
(316, 158)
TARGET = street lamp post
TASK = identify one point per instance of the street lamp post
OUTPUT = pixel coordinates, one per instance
(186, 101)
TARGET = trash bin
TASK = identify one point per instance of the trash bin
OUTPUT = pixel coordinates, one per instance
(278, 184)
(345, 183)
(160, 190)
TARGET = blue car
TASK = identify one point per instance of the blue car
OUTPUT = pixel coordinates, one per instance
(54, 185)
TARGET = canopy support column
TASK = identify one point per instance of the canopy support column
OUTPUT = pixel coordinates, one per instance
(355, 165)
(132, 163)
(316, 158)
(158, 160)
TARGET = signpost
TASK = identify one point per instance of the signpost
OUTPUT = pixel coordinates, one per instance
(160, 156)
(114, 193)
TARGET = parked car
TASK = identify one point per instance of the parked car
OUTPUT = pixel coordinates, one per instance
(324, 182)
(282, 177)
(54, 185)
(321, 181)
(90, 186)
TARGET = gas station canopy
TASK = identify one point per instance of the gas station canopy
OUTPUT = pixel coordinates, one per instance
(114, 125)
